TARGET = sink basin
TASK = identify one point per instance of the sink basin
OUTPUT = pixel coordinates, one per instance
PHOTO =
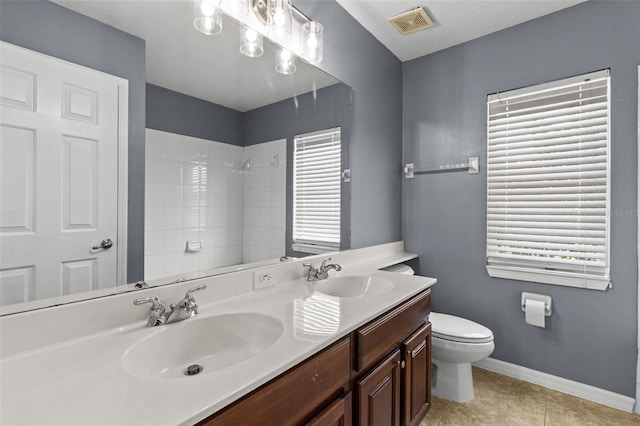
(354, 286)
(213, 343)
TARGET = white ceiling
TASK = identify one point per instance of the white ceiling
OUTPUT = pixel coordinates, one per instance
(455, 21)
(206, 67)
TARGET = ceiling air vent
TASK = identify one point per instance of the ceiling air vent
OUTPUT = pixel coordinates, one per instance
(411, 21)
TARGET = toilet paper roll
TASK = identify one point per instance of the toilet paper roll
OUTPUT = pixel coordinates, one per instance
(534, 312)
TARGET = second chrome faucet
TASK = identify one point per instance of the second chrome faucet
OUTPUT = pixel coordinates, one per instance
(321, 273)
(185, 308)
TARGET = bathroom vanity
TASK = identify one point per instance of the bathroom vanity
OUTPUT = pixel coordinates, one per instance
(381, 372)
(346, 350)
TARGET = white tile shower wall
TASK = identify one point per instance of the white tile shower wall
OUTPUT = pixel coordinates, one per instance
(193, 191)
(265, 175)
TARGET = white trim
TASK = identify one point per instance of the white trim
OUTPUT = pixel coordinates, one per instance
(313, 248)
(637, 407)
(580, 390)
(567, 279)
(123, 180)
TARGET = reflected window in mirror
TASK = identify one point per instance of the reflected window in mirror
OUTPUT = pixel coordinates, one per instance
(316, 191)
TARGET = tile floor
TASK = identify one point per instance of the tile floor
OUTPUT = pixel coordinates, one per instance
(503, 401)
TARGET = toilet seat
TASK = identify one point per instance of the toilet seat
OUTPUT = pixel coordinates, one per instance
(456, 329)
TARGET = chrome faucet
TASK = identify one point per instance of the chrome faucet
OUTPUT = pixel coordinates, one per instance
(185, 308)
(322, 272)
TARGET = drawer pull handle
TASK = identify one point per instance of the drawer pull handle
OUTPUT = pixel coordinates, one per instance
(418, 349)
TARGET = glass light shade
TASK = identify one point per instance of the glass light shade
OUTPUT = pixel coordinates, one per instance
(235, 8)
(251, 42)
(285, 62)
(312, 42)
(279, 20)
(207, 18)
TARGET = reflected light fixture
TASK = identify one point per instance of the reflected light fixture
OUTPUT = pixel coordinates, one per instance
(279, 19)
(285, 62)
(251, 42)
(312, 42)
(207, 18)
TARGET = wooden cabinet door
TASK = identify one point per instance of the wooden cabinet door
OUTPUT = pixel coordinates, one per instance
(378, 394)
(336, 414)
(417, 376)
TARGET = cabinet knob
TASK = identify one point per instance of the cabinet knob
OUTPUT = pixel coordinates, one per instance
(402, 364)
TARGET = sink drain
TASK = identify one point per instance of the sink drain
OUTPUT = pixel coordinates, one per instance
(194, 369)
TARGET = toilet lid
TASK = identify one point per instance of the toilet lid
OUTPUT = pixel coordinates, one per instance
(449, 327)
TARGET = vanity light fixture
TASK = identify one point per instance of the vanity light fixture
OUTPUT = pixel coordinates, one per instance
(285, 62)
(312, 42)
(207, 18)
(279, 19)
(251, 42)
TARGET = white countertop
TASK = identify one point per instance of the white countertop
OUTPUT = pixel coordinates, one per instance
(82, 381)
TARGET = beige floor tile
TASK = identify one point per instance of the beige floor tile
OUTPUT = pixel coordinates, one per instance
(520, 399)
(567, 410)
(437, 410)
(479, 415)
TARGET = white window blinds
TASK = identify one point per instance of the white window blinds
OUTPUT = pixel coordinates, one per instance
(548, 183)
(316, 191)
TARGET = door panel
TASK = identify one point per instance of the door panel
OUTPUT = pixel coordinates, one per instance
(378, 394)
(59, 176)
(417, 376)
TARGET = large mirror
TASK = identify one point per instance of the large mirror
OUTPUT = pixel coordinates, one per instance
(220, 132)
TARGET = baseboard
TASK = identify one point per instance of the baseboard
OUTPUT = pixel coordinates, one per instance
(590, 393)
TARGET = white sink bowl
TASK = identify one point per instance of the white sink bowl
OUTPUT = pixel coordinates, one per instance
(213, 343)
(354, 286)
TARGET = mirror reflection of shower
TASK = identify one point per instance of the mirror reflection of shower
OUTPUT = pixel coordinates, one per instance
(211, 204)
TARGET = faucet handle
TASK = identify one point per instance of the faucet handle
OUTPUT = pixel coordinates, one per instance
(324, 263)
(157, 304)
(189, 294)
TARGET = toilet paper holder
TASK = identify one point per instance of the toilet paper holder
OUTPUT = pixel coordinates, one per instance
(539, 297)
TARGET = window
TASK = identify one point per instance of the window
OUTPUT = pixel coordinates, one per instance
(316, 191)
(548, 183)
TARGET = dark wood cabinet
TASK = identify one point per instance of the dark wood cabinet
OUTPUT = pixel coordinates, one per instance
(336, 414)
(416, 377)
(294, 397)
(386, 364)
(378, 394)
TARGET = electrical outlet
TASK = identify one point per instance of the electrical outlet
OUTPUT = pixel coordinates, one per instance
(264, 278)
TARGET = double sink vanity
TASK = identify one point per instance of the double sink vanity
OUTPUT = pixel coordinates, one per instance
(351, 348)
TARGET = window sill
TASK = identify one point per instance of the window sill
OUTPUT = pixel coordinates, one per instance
(549, 277)
(313, 248)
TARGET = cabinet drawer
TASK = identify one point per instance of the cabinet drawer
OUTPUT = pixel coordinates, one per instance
(295, 396)
(379, 337)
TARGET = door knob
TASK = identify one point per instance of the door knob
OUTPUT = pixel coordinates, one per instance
(104, 244)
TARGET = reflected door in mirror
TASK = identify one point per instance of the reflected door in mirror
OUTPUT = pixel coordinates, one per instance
(59, 177)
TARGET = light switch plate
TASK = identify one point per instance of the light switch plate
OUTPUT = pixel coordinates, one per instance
(264, 278)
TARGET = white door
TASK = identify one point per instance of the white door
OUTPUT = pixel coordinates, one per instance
(58, 177)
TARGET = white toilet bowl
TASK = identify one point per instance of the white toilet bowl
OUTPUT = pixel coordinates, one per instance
(456, 343)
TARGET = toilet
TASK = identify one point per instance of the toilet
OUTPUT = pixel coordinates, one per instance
(456, 343)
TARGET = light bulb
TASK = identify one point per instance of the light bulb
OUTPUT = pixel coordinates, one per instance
(251, 35)
(279, 18)
(207, 8)
(312, 42)
(285, 55)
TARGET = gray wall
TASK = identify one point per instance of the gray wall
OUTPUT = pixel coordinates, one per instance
(175, 112)
(591, 336)
(328, 107)
(56, 31)
(356, 58)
